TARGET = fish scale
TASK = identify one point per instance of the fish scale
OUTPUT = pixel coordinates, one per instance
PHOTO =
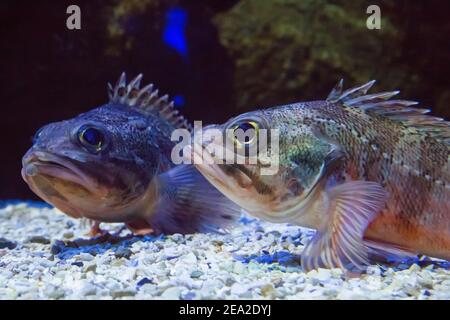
(370, 173)
(122, 170)
(410, 153)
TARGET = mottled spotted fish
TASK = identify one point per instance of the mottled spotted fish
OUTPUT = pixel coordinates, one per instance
(370, 173)
(112, 164)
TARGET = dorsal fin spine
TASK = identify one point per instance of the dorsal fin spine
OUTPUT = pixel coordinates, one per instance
(146, 99)
(376, 96)
(396, 110)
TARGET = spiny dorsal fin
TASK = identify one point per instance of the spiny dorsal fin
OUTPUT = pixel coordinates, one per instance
(397, 110)
(337, 91)
(146, 99)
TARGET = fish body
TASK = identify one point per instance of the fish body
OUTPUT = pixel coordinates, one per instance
(371, 174)
(113, 164)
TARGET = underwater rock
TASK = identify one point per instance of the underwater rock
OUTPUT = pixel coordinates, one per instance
(6, 244)
(38, 239)
(123, 253)
(53, 292)
(245, 268)
(172, 293)
(143, 281)
(196, 274)
(123, 293)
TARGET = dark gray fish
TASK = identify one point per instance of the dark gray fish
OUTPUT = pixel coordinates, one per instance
(112, 164)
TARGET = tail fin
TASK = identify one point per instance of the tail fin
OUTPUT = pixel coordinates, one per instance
(189, 204)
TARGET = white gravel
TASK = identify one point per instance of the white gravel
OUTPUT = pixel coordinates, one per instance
(40, 260)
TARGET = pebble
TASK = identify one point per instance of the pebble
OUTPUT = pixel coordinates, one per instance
(53, 292)
(196, 274)
(172, 293)
(143, 281)
(123, 293)
(178, 238)
(268, 291)
(123, 253)
(86, 256)
(91, 267)
(323, 274)
(188, 296)
(78, 263)
(38, 239)
(190, 259)
(239, 268)
(6, 244)
(88, 290)
(254, 260)
(68, 234)
(239, 289)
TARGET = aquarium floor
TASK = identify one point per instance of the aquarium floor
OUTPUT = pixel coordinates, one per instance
(46, 255)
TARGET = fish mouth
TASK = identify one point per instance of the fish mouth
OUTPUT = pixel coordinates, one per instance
(236, 184)
(77, 188)
(205, 163)
(57, 178)
(240, 186)
(53, 166)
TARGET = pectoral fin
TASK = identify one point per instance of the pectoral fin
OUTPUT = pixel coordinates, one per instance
(385, 252)
(348, 209)
(189, 203)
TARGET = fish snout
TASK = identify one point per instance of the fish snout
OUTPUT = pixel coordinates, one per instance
(29, 167)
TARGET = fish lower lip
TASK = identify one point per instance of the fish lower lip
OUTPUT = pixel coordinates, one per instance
(207, 166)
(30, 170)
(55, 166)
(47, 168)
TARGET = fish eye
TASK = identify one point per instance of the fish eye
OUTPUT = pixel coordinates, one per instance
(243, 128)
(92, 138)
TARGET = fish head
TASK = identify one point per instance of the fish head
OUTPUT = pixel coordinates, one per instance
(98, 165)
(279, 181)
